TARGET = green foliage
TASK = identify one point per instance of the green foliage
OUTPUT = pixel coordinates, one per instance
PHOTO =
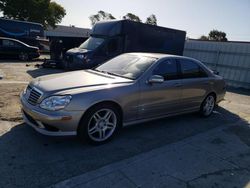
(41, 11)
(217, 35)
(203, 37)
(132, 17)
(151, 20)
(101, 15)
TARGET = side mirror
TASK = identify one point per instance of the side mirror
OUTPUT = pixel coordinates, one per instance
(155, 79)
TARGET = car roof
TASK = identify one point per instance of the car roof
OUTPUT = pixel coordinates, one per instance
(157, 55)
(5, 38)
(161, 55)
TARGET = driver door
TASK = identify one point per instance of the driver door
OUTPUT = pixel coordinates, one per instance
(159, 99)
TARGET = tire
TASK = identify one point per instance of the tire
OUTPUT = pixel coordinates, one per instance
(101, 123)
(23, 56)
(207, 106)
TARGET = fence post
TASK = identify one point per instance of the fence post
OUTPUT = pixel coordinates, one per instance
(217, 60)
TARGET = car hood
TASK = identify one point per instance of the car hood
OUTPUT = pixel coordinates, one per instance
(77, 81)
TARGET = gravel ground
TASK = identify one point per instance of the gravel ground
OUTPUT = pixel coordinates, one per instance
(15, 77)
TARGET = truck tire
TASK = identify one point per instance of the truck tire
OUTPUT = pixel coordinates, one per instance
(23, 56)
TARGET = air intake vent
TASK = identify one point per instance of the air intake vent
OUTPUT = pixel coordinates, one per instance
(34, 95)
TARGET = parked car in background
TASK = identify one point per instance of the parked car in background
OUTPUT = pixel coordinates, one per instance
(128, 89)
(30, 33)
(12, 48)
(111, 38)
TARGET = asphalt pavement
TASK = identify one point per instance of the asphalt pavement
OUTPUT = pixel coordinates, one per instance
(28, 159)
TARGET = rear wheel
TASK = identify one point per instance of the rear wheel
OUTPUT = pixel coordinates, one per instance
(23, 56)
(207, 105)
(100, 124)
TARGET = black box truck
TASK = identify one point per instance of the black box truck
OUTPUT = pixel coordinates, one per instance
(111, 38)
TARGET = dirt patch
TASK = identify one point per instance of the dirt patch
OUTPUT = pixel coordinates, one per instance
(16, 77)
(9, 101)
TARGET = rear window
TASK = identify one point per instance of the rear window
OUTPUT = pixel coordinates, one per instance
(191, 69)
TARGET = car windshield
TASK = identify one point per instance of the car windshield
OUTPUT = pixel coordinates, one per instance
(127, 65)
(92, 43)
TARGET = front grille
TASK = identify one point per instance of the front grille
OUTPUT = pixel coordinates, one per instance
(33, 95)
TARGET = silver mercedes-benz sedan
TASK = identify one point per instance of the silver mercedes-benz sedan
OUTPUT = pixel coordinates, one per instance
(128, 89)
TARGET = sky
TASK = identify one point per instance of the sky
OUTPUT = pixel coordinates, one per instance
(196, 17)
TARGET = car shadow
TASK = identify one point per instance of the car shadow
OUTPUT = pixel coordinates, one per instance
(15, 60)
(40, 71)
(30, 159)
(241, 91)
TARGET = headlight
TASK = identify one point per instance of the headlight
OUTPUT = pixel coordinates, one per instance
(54, 103)
(80, 56)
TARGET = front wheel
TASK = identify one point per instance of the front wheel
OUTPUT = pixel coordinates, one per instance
(24, 56)
(207, 105)
(100, 124)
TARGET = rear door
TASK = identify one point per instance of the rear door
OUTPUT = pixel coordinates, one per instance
(6, 47)
(195, 84)
(160, 99)
(10, 48)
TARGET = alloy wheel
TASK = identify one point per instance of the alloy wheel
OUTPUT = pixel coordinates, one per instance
(208, 105)
(23, 56)
(102, 124)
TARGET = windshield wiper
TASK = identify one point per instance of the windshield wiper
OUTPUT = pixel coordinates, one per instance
(105, 72)
(113, 74)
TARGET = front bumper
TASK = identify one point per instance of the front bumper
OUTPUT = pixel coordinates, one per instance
(39, 127)
(57, 123)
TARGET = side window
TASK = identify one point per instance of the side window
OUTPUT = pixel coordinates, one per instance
(5, 43)
(114, 46)
(8, 43)
(191, 69)
(167, 69)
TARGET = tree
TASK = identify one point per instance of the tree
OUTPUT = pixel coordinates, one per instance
(203, 37)
(55, 14)
(41, 11)
(101, 15)
(217, 35)
(151, 20)
(132, 17)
